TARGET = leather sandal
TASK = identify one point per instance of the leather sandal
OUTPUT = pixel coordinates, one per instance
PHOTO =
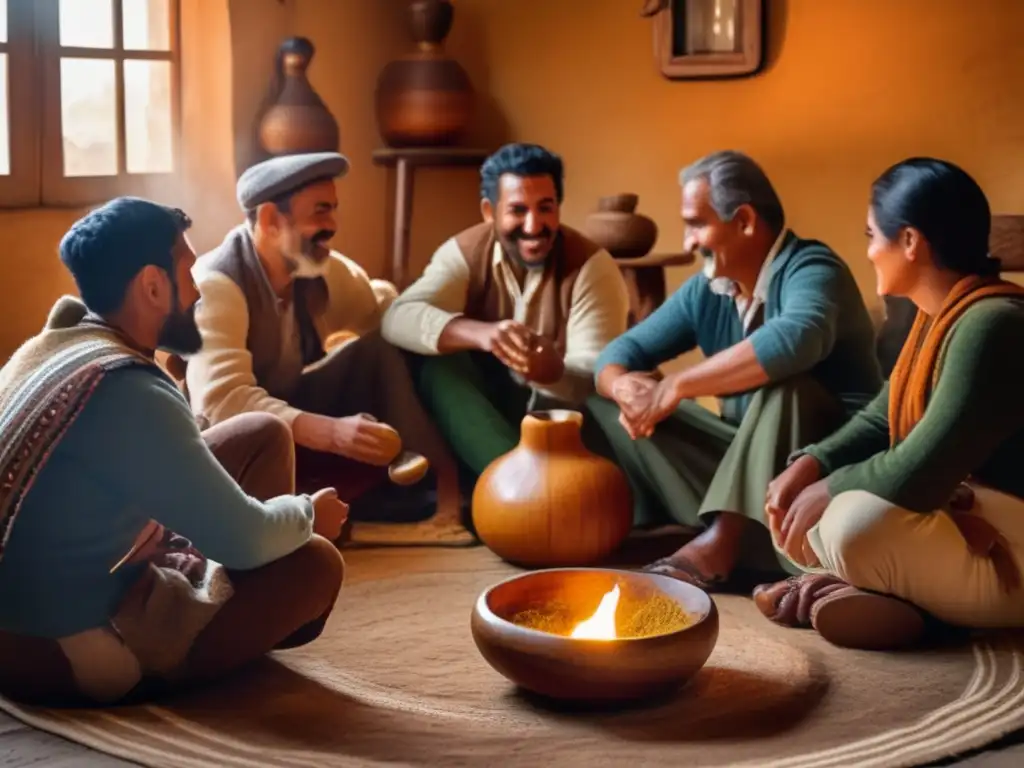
(869, 621)
(789, 602)
(842, 614)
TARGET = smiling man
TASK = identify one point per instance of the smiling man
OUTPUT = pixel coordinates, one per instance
(510, 314)
(789, 351)
(273, 293)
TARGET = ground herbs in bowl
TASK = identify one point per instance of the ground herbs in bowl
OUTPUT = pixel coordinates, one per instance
(636, 616)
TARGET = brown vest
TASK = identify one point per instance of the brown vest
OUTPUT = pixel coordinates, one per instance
(549, 309)
(236, 258)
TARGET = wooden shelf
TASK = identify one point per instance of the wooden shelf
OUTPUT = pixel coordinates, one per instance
(405, 161)
(425, 156)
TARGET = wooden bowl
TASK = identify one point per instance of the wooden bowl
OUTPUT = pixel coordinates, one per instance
(574, 669)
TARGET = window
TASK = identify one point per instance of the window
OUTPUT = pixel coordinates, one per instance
(89, 105)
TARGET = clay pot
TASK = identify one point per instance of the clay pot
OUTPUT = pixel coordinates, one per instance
(550, 501)
(617, 228)
(595, 671)
(297, 120)
(425, 98)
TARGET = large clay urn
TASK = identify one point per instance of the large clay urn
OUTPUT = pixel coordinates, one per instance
(297, 120)
(619, 229)
(425, 98)
(550, 502)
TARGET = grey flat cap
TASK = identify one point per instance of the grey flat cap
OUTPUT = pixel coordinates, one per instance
(271, 178)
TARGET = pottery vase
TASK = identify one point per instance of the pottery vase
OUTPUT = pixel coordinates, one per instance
(619, 229)
(425, 99)
(297, 120)
(551, 502)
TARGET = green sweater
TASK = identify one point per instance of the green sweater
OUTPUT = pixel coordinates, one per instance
(133, 454)
(815, 322)
(973, 424)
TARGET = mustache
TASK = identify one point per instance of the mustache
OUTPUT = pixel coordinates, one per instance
(316, 242)
(519, 234)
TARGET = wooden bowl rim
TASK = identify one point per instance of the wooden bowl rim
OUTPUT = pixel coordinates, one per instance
(483, 610)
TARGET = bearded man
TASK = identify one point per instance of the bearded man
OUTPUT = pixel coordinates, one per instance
(510, 314)
(273, 293)
(103, 599)
(789, 351)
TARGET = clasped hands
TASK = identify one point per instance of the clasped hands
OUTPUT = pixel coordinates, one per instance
(795, 502)
(645, 400)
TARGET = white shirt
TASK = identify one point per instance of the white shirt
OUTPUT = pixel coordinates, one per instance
(600, 305)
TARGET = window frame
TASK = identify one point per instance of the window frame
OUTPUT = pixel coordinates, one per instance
(36, 138)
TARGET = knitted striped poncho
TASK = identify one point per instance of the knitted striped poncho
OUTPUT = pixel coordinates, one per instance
(43, 387)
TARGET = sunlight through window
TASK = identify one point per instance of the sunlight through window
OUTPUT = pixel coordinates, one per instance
(5, 133)
(87, 23)
(89, 89)
(88, 100)
(5, 110)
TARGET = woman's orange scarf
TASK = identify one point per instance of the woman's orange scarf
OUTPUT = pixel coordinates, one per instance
(917, 368)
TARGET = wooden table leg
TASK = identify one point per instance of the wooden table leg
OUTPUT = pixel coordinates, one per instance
(403, 222)
(649, 286)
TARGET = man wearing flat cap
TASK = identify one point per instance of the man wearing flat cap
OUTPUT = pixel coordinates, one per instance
(273, 293)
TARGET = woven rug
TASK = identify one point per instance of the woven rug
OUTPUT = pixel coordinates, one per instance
(396, 679)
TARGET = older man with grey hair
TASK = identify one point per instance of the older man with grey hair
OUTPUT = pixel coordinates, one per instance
(273, 296)
(788, 351)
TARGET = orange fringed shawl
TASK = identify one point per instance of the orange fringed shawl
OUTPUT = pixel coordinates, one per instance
(917, 368)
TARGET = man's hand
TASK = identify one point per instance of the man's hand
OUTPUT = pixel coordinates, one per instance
(788, 485)
(663, 403)
(633, 392)
(509, 341)
(329, 513)
(364, 439)
(804, 513)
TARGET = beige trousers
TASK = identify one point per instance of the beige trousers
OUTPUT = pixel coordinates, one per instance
(923, 558)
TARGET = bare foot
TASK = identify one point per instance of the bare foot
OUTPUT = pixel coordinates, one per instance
(708, 560)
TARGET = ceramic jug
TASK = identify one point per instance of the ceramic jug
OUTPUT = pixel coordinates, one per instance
(550, 501)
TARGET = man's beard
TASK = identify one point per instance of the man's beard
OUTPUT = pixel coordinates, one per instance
(510, 244)
(301, 253)
(180, 334)
(708, 257)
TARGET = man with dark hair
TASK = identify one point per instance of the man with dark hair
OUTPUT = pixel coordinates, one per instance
(510, 314)
(99, 601)
(273, 294)
(789, 350)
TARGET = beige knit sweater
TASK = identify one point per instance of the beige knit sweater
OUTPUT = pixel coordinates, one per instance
(220, 378)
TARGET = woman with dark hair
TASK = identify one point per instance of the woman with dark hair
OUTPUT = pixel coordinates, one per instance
(914, 510)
